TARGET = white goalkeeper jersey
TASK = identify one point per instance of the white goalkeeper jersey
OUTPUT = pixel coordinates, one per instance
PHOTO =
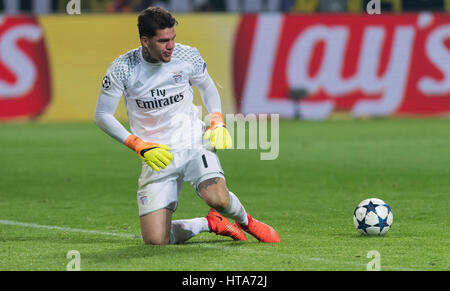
(159, 97)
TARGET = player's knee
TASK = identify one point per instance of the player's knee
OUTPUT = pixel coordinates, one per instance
(221, 202)
(155, 239)
(217, 198)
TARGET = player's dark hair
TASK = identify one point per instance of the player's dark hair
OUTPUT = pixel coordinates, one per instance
(154, 18)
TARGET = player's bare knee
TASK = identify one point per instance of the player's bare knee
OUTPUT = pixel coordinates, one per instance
(217, 203)
(215, 193)
(222, 201)
(156, 240)
(155, 237)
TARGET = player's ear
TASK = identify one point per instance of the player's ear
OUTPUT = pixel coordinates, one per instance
(145, 41)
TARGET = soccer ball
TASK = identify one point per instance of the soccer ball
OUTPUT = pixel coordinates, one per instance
(373, 217)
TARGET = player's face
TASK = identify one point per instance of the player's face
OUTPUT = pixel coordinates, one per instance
(160, 47)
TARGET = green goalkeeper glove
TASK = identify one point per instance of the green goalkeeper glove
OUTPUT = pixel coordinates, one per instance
(156, 156)
(218, 135)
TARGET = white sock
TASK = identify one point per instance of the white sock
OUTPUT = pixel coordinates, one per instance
(235, 210)
(182, 230)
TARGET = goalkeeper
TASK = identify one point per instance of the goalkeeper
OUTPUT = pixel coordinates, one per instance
(155, 81)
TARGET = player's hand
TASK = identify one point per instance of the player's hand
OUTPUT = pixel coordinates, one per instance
(218, 135)
(157, 156)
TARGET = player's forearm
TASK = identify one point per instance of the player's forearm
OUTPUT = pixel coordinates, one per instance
(210, 94)
(109, 124)
(104, 118)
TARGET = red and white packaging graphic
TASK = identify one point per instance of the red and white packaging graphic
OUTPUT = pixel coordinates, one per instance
(389, 64)
(25, 84)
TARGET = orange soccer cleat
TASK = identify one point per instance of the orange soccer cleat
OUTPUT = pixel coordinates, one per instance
(221, 226)
(261, 231)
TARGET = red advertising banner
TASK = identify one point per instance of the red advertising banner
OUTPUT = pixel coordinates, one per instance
(369, 65)
(24, 68)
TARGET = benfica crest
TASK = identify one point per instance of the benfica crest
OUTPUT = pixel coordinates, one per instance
(177, 77)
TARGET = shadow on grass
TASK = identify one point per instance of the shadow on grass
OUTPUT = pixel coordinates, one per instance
(119, 253)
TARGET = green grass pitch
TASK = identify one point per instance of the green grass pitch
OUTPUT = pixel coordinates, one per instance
(71, 187)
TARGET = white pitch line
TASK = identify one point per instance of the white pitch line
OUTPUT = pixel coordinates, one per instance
(233, 248)
(68, 229)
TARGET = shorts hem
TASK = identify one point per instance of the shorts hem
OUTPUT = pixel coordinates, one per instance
(208, 176)
(153, 210)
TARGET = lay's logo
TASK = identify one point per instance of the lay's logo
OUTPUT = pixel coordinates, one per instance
(25, 86)
(364, 65)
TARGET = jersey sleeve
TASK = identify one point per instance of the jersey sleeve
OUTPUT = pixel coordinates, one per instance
(113, 86)
(210, 94)
(104, 117)
(114, 83)
(196, 63)
(198, 67)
